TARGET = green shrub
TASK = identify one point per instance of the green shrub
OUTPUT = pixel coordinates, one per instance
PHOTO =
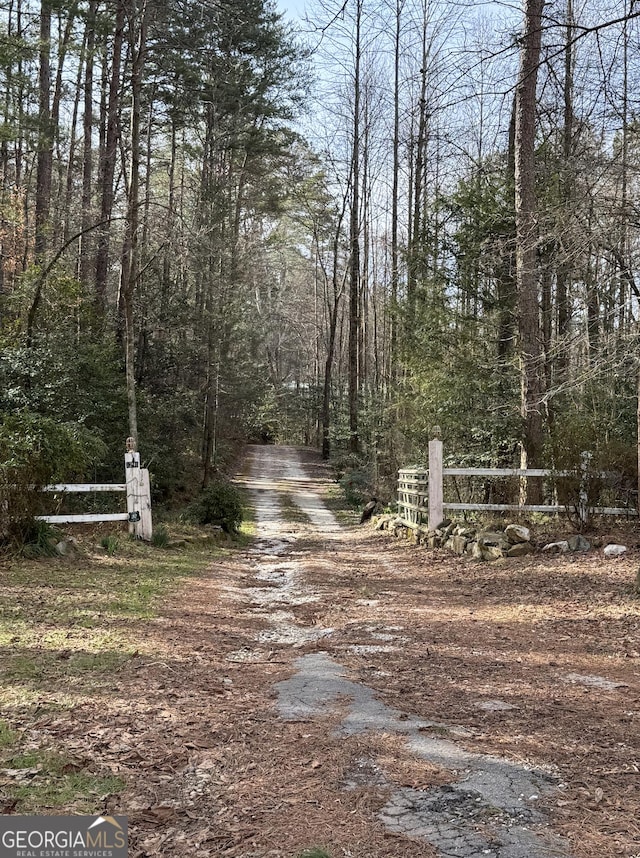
(161, 537)
(110, 543)
(356, 485)
(36, 451)
(609, 471)
(39, 539)
(220, 504)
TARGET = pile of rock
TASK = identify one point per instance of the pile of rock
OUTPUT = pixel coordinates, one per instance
(512, 541)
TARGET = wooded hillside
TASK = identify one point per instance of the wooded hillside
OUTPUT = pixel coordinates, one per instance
(216, 226)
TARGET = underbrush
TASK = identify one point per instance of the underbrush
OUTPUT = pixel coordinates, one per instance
(220, 505)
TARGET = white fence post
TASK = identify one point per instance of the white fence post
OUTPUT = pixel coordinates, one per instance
(435, 484)
(583, 503)
(145, 525)
(138, 494)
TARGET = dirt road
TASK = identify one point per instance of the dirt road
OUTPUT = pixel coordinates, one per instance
(329, 687)
(487, 806)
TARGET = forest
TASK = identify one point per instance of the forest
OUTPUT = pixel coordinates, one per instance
(392, 219)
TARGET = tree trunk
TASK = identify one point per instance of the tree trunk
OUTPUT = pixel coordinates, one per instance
(393, 334)
(564, 269)
(109, 161)
(354, 242)
(638, 435)
(130, 266)
(333, 307)
(44, 163)
(624, 294)
(507, 288)
(415, 244)
(58, 231)
(87, 159)
(73, 142)
(531, 357)
(45, 137)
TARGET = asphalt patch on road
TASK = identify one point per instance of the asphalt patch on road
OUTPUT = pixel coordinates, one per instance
(491, 808)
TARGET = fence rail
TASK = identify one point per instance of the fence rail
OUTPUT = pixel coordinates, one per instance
(421, 491)
(84, 518)
(86, 487)
(138, 491)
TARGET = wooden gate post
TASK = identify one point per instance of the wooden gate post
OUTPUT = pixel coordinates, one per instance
(435, 484)
(145, 526)
(583, 500)
(138, 495)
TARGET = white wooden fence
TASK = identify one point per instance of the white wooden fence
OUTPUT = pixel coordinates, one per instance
(421, 491)
(138, 491)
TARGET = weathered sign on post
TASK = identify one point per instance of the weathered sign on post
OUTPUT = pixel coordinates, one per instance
(138, 494)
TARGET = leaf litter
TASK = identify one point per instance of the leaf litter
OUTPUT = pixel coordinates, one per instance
(211, 769)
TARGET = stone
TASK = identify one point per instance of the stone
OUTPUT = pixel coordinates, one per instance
(594, 681)
(448, 530)
(489, 538)
(520, 549)
(67, 547)
(495, 706)
(383, 522)
(561, 547)
(421, 535)
(517, 533)
(491, 552)
(467, 532)
(433, 542)
(614, 550)
(579, 543)
(476, 551)
(457, 544)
